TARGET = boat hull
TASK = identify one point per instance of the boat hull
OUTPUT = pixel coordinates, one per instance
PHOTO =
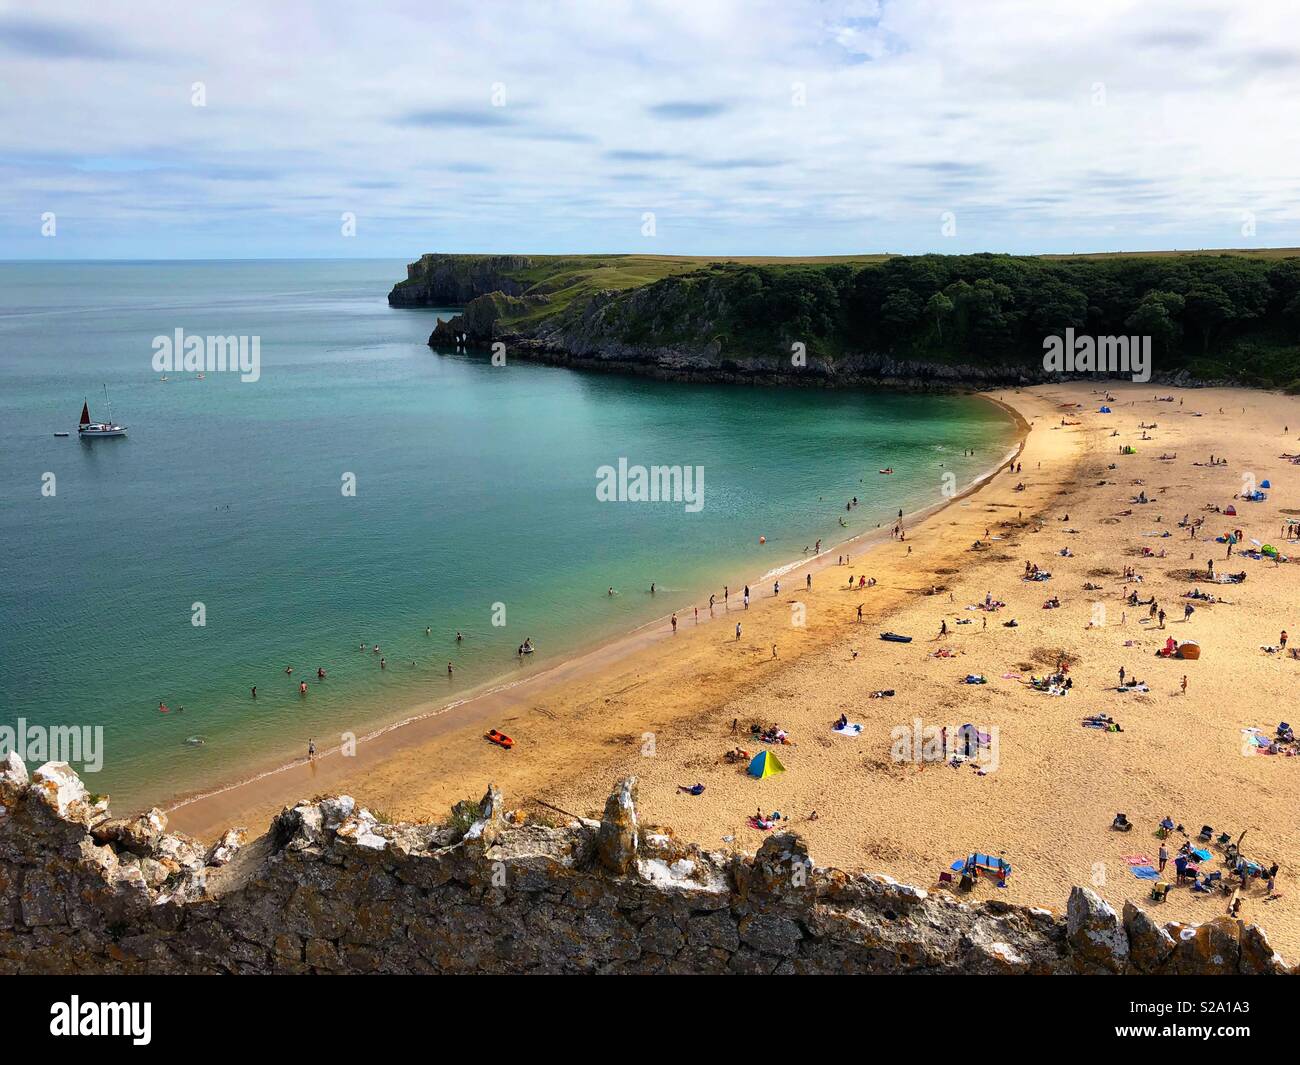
(93, 431)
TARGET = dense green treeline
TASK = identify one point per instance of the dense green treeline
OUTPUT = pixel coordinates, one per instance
(1216, 316)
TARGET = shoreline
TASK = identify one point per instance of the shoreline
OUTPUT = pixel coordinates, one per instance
(206, 813)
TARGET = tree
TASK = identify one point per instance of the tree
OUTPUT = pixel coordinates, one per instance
(1207, 307)
(1157, 316)
(938, 309)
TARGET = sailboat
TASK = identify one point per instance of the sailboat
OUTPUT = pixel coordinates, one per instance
(88, 430)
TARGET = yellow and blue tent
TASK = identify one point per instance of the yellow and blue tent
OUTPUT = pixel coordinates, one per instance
(764, 764)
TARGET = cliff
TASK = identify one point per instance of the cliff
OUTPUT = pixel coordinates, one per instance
(915, 322)
(454, 280)
(330, 889)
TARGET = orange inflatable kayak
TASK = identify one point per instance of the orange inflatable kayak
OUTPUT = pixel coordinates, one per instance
(500, 739)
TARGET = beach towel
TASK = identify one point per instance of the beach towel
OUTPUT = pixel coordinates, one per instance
(1137, 859)
(851, 729)
(1202, 855)
(1145, 872)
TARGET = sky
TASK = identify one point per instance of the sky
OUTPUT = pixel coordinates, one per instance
(765, 127)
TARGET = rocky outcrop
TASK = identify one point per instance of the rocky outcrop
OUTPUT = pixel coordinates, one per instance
(454, 280)
(332, 889)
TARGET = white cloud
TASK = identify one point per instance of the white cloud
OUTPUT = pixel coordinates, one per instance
(1047, 126)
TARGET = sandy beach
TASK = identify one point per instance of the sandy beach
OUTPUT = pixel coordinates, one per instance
(661, 705)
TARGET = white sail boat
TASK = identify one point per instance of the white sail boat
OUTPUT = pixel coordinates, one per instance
(88, 430)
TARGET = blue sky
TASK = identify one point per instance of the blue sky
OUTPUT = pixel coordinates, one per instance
(158, 130)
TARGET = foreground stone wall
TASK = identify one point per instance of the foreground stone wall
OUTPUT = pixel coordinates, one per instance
(329, 889)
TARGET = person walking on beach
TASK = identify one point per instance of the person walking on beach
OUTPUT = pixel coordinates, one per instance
(674, 623)
(810, 582)
(737, 630)
(943, 627)
(859, 611)
(1161, 616)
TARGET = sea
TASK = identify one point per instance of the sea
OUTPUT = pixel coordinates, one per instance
(362, 490)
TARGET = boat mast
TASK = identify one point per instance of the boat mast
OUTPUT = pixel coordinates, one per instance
(108, 405)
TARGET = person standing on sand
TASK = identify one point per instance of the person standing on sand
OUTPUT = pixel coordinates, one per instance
(810, 582)
(311, 750)
(1184, 684)
(674, 623)
(1161, 616)
(737, 630)
(1282, 639)
(1121, 676)
(859, 611)
(735, 723)
(776, 588)
(1164, 856)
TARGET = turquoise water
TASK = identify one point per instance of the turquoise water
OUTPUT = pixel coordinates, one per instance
(475, 486)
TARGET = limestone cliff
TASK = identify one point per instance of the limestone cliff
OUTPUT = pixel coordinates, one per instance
(331, 889)
(454, 280)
